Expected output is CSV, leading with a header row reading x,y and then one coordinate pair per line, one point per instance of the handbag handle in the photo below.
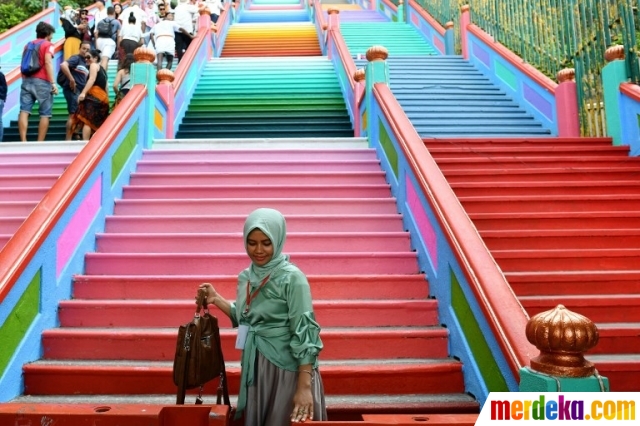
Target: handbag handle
x,y
201,300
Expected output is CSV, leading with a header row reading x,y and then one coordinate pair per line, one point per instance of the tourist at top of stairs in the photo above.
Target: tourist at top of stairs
x,y
277,330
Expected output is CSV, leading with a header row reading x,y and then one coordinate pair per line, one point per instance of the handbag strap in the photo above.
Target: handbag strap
x,y
182,378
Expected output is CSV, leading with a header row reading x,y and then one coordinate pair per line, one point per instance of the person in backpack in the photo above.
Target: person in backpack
x,y
106,34
93,100
277,330
73,77
39,86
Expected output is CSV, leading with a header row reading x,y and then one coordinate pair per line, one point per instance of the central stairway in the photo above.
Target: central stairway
x,y
179,223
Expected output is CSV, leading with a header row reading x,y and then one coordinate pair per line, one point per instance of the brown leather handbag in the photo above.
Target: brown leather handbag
x,y
198,357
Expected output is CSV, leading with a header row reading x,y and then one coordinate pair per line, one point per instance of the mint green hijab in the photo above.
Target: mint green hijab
x,y
272,223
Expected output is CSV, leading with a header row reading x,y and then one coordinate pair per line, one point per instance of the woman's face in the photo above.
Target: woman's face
x,y
117,8
259,247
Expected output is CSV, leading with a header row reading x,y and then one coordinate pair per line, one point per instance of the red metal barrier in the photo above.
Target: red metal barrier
x,y
112,415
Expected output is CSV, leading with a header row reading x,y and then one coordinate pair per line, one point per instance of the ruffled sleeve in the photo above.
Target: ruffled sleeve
x,y
305,331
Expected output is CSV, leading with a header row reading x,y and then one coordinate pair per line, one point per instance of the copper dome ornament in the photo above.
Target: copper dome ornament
x,y
144,55
377,53
566,74
359,75
614,53
165,76
562,336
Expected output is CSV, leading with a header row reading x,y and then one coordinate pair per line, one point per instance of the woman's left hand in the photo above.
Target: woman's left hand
x,y
81,97
302,405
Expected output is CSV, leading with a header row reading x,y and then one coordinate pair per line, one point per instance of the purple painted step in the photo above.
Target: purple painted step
x,y
232,242
249,178
287,206
323,287
230,263
231,223
249,191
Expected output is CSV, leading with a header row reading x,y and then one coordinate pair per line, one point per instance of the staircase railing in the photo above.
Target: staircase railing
x,y
556,34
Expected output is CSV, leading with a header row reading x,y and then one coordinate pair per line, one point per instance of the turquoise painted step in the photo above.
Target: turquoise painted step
x,y
267,97
446,96
398,38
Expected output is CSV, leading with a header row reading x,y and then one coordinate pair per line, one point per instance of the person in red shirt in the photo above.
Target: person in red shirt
x,y
40,86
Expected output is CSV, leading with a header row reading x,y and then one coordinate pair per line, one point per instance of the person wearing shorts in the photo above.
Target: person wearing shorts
x,y
163,34
107,45
39,87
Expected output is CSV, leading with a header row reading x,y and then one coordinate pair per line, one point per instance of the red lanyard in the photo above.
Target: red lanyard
x,y
251,296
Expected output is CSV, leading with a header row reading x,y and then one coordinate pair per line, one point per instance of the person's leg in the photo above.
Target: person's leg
x,y
45,100
72,106
27,99
169,61
42,128
86,132
23,123
160,58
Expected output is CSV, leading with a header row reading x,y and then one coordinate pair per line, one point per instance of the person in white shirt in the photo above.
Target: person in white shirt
x,y
130,38
99,13
135,10
106,44
163,36
185,14
215,8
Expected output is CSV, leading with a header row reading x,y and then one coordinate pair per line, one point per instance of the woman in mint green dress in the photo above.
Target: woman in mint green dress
x,y
277,330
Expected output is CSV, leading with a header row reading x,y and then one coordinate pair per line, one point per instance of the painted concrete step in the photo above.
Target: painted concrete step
x,y
27,181
323,287
617,338
339,407
550,283
9,158
551,203
288,206
261,143
9,225
39,147
518,142
16,208
233,223
599,308
255,178
563,260
303,165
159,344
556,220
257,154
33,167
241,190
230,263
446,162
22,194
551,174
232,242
330,313
568,187
530,151
623,371
571,239
383,377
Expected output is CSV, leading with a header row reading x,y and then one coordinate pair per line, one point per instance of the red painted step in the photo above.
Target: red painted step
x,y
564,227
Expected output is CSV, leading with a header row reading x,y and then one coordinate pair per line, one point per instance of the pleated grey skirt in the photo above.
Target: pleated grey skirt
x,y
270,398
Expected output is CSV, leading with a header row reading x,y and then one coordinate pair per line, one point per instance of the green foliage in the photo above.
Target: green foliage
x,y
11,16
14,12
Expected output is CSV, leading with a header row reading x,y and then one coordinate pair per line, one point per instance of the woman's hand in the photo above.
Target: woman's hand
x,y
209,291
81,97
302,403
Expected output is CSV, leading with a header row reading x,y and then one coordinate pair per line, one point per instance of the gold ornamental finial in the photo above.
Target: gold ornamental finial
x,y
165,76
614,53
562,336
377,53
359,75
144,55
566,74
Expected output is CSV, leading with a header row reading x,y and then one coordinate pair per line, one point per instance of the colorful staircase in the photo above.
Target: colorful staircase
x,y
179,224
267,98
561,217
271,39
27,172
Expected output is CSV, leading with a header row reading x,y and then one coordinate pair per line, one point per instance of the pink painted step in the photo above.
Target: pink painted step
x,y
10,158
33,168
9,225
579,282
22,194
573,188
551,203
159,344
531,151
567,239
381,377
16,208
446,162
556,220
323,287
273,155
563,260
551,174
225,166
4,238
168,313
287,206
258,178
232,242
28,181
233,223
614,309
520,143
250,191
230,263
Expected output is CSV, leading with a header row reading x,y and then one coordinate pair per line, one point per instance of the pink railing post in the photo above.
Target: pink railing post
x,y
166,91
358,91
465,20
567,104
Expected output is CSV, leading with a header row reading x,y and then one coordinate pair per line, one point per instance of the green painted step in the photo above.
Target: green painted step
x,y
397,37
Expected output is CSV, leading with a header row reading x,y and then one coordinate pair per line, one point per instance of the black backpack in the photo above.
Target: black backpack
x,y
30,63
104,28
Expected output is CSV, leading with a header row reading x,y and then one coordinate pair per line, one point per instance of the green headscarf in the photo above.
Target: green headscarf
x,y
272,223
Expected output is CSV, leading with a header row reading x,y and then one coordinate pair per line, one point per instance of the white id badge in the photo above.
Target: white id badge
x,y
243,329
